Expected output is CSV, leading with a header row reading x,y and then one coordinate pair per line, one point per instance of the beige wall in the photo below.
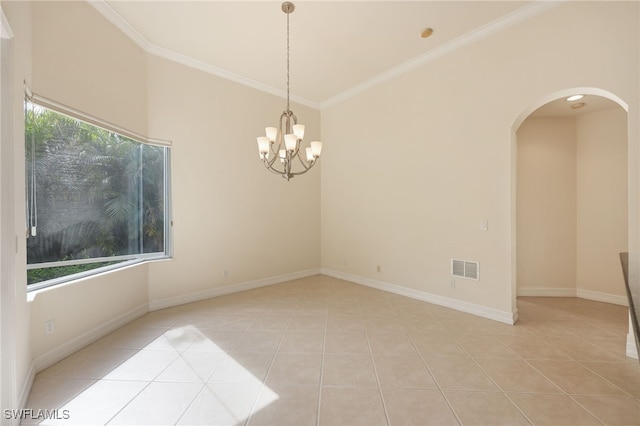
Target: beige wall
x,y
81,307
602,201
572,205
417,162
229,212
81,60
546,206
19,17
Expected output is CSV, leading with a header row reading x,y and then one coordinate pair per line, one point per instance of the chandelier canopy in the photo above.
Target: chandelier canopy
x,y
281,146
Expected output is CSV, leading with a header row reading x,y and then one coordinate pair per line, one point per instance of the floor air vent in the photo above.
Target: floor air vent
x,y
464,269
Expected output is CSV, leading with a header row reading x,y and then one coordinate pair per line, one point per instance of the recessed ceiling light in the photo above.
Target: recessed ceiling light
x,y
574,98
578,105
427,32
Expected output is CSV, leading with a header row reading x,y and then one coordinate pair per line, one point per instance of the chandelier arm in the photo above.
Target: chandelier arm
x,y
294,153
287,116
302,171
287,164
275,148
273,169
307,165
269,163
288,129
275,153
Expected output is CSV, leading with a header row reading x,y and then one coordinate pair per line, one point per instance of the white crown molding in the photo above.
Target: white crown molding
x,y
499,24
116,19
227,75
5,28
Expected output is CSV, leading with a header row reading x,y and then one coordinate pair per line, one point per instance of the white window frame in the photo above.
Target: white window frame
x,y
125,260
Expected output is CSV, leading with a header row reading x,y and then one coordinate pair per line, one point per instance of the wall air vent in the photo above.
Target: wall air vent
x,y
465,269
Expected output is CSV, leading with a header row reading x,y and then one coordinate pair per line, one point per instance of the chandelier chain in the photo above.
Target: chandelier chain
x,y
287,62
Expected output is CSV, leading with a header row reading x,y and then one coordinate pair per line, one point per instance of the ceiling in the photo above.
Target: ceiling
x,y
336,46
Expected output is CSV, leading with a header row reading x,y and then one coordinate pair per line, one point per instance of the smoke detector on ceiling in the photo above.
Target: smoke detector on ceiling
x,y
427,32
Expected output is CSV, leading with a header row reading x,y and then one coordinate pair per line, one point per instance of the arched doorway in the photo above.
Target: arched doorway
x,y
570,197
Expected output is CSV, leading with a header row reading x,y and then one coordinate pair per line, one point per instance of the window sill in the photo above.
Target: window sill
x,y
35,288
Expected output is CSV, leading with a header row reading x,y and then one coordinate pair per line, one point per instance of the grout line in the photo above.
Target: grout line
x,y
324,350
581,363
375,373
435,380
571,359
180,353
128,402
273,360
518,407
500,389
204,386
587,410
505,393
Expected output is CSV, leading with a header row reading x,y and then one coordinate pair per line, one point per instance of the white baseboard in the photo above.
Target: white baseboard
x,y
573,292
632,350
547,292
49,358
603,297
26,386
471,308
234,288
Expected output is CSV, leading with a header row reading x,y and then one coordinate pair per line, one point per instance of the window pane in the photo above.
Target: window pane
x,y
153,181
91,193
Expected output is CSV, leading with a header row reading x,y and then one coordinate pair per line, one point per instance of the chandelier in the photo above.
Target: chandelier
x,y
281,147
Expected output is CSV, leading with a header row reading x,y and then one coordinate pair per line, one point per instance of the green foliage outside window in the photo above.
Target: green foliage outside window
x,y
91,193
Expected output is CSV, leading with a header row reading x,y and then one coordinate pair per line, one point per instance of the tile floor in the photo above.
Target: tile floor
x,y
321,351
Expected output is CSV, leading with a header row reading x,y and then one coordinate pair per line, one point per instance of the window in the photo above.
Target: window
x,y
96,199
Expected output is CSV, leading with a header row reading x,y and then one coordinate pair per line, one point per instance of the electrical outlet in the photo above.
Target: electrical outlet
x,y
226,273
452,283
49,326
379,268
